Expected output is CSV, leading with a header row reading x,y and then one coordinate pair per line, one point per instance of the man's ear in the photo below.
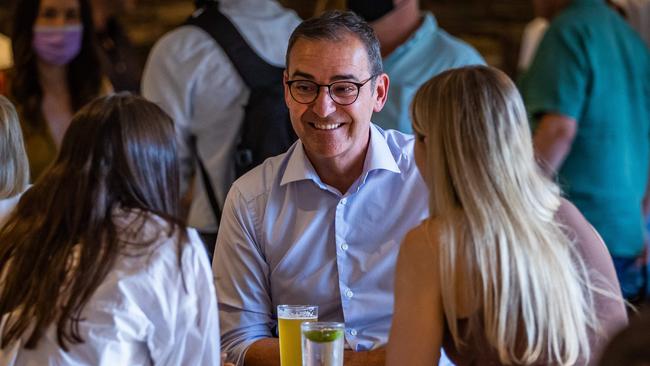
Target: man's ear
x,y
381,91
285,78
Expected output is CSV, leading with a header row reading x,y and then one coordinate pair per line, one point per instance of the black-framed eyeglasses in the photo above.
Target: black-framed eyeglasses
x,y
341,92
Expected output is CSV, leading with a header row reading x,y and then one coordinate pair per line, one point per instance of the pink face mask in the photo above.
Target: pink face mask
x,y
57,45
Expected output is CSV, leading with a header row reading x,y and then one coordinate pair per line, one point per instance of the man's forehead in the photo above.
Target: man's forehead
x,y
333,60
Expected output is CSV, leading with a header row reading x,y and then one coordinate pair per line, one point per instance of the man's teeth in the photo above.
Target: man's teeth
x,y
327,126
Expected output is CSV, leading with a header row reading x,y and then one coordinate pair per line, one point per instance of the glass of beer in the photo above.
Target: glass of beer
x,y
322,343
289,319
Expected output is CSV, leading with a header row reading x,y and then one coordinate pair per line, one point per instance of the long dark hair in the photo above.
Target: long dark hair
x,y
83,72
119,154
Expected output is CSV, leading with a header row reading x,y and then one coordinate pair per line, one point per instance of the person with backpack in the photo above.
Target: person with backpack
x,y
211,74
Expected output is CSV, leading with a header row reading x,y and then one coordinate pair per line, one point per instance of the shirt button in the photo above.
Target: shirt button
x,y
353,332
349,293
344,201
344,246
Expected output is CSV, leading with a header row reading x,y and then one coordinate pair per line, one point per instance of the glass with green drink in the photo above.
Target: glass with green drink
x,y
322,343
289,319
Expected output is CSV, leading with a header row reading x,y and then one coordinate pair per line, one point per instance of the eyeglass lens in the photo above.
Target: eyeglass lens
x,y
342,92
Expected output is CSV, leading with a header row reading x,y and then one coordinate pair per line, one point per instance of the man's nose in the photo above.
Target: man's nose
x,y
323,106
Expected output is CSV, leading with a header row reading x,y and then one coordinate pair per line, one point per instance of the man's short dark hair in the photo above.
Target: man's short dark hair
x,y
333,26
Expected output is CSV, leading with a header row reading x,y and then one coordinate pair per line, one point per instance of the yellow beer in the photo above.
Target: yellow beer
x,y
289,319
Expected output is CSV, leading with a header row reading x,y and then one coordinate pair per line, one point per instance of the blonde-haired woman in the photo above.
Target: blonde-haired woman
x,y
504,271
14,166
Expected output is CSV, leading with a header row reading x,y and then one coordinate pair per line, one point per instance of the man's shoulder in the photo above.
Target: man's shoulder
x,y
184,42
449,47
260,180
457,50
581,20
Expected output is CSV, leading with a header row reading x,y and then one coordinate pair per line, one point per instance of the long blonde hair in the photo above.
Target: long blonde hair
x,y
14,167
498,227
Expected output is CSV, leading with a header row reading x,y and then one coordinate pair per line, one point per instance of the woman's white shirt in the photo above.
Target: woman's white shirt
x,y
146,311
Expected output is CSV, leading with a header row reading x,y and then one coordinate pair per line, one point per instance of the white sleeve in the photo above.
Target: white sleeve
x,y
191,336
242,280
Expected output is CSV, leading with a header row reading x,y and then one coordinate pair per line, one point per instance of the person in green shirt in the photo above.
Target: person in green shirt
x,y
587,92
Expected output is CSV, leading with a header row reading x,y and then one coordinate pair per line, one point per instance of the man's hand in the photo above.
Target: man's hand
x,y
265,352
223,360
552,141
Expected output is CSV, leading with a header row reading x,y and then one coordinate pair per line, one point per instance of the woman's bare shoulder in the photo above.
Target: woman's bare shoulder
x,y
579,229
420,244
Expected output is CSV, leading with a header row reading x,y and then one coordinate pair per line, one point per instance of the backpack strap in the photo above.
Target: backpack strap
x,y
207,182
254,71
252,68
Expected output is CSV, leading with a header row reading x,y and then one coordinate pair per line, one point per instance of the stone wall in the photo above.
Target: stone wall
x,y
494,27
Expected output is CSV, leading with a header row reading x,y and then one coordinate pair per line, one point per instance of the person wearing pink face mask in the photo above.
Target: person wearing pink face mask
x,y
56,71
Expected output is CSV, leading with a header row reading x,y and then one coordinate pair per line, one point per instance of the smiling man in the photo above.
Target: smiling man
x,y
321,224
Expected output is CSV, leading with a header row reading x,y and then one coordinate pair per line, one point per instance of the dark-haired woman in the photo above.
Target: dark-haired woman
x,y
56,71
95,269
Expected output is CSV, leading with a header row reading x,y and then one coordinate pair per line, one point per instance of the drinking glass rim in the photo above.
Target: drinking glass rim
x,y
322,325
297,312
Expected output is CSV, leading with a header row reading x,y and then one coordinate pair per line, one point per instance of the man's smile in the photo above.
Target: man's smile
x,y
326,126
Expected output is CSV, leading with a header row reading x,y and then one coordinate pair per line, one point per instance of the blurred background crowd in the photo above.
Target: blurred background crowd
x,y
493,27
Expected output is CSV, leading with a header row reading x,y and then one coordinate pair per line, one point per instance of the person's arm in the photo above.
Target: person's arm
x,y
168,83
418,320
646,199
266,352
553,139
242,278
609,303
555,90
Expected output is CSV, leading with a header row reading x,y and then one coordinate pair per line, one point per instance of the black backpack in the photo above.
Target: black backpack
x,y
266,130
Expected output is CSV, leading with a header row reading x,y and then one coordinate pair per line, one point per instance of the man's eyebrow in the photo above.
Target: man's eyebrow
x,y
308,76
344,77
302,74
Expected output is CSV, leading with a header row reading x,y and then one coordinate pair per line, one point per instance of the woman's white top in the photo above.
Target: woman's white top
x,y
146,312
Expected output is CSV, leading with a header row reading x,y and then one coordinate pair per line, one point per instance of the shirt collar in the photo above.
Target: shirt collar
x,y
378,157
